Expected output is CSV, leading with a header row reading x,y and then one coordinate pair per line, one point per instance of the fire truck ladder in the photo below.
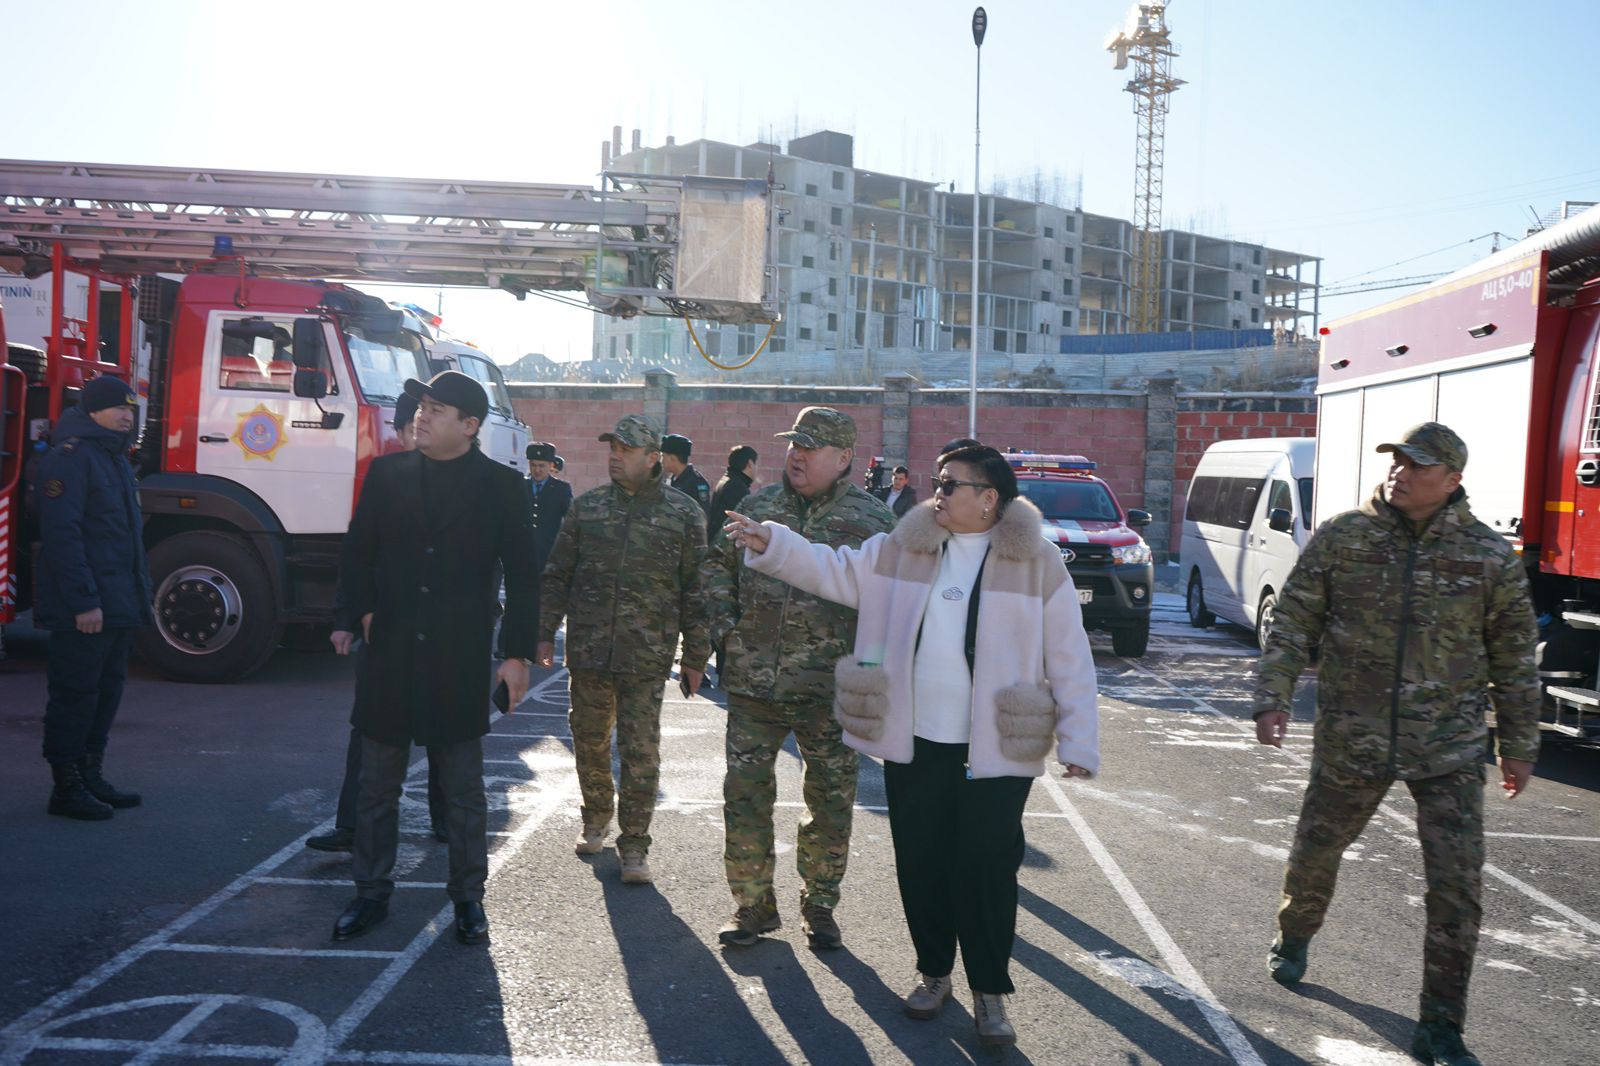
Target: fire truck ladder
x,y
640,244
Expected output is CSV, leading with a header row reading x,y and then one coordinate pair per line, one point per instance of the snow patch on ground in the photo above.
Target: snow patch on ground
x,y
1559,940
1350,1053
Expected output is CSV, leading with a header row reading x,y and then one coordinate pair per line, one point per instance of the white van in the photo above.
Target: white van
x,y
505,437
1247,519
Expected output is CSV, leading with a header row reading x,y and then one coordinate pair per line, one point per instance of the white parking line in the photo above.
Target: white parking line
x,y
1389,810
1215,1014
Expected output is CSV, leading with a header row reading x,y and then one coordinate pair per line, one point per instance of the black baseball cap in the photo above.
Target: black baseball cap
x,y
677,444
454,388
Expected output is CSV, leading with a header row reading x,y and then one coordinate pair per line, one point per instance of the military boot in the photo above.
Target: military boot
x,y
822,929
591,841
748,923
71,798
636,869
1438,1043
1287,959
104,790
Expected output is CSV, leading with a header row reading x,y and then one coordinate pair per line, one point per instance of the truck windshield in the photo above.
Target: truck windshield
x,y
1076,501
382,369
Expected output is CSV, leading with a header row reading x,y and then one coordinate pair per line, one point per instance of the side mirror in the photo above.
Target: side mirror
x,y
310,352
309,384
1139,519
1280,520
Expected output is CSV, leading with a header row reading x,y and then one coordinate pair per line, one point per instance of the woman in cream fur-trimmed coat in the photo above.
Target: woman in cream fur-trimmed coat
x,y
955,808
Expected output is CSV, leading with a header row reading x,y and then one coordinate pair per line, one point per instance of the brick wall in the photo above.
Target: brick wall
x,y
1203,419
1146,442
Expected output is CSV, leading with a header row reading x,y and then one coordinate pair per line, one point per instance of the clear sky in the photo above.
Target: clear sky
x,y
1366,132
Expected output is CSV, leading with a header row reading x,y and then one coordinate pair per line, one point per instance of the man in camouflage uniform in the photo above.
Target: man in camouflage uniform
x,y
779,650
625,573
1419,608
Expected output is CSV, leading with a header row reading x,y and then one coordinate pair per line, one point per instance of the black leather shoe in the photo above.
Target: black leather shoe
x,y
361,915
472,925
338,840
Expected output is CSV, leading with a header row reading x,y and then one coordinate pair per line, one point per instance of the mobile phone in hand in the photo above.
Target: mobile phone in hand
x,y
502,698
683,686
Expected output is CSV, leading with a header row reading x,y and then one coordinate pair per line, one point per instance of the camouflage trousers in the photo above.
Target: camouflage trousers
x,y
756,734
1450,825
602,701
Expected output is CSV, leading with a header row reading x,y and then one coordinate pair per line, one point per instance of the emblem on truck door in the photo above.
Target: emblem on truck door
x,y
260,433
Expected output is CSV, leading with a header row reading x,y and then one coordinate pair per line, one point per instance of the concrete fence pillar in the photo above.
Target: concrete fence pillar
x,y
659,383
899,393
1160,460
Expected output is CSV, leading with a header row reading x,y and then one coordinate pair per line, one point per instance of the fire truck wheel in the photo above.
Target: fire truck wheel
x,y
1266,616
1130,642
1199,617
215,616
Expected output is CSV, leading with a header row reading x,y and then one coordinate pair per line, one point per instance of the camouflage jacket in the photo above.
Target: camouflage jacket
x,y
1420,633
780,644
625,572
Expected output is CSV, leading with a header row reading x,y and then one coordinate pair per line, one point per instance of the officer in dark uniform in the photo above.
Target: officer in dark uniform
x,y
551,498
681,474
93,590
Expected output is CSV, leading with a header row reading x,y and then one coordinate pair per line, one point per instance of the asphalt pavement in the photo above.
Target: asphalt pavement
x,y
196,927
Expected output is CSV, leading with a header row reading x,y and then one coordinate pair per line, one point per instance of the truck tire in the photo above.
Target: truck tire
x,y
1130,642
1266,618
215,617
1199,617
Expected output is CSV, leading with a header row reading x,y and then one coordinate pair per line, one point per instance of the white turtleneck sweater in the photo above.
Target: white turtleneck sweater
x,y
941,682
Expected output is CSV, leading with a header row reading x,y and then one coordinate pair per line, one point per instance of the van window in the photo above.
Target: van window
x,y
488,375
1281,496
1305,501
1224,501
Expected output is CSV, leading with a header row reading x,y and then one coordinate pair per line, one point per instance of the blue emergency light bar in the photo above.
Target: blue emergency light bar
x,y
1032,461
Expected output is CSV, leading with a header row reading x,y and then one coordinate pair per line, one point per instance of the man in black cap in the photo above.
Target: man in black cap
x,y
93,590
343,837
681,474
416,571
551,498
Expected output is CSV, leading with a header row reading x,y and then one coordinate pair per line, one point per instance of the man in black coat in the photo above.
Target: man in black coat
x,y
551,497
899,494
681,474
92,590
416,572
733,487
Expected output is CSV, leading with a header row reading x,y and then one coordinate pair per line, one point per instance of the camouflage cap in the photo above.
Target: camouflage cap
x,y
636,431
822,427
1431,443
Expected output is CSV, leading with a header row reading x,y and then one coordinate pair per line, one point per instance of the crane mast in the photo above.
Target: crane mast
x,y
1146,42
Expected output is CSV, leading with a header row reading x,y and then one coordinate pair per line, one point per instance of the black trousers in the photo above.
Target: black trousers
x,y
957,848
383,774
85,677
350,789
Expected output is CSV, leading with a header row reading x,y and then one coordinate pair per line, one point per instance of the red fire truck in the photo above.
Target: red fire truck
x,y
1504,352
268,391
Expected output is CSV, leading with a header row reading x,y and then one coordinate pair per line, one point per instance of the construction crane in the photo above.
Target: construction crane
x,y
1147,42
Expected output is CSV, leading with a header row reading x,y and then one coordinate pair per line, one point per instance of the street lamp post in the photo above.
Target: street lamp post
x,y
980,25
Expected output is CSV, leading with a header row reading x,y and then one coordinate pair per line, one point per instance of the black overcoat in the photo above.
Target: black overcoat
x,y
425,677
549,508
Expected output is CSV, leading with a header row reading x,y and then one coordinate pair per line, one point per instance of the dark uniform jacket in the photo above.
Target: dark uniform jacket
x,y
902,503
625,573
692,485
89,520
731,491
550,505
1421,631
780,644
425,578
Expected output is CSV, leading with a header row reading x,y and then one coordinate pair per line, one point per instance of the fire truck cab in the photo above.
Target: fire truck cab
x,y
1109,561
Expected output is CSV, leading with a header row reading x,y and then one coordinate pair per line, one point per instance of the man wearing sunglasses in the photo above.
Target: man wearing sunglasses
x,y
780,646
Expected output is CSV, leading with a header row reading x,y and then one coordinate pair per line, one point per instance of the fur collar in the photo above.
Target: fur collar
x,y
1016,536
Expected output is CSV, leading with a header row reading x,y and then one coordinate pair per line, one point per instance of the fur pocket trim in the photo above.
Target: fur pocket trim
x,y
860,698
1025,717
